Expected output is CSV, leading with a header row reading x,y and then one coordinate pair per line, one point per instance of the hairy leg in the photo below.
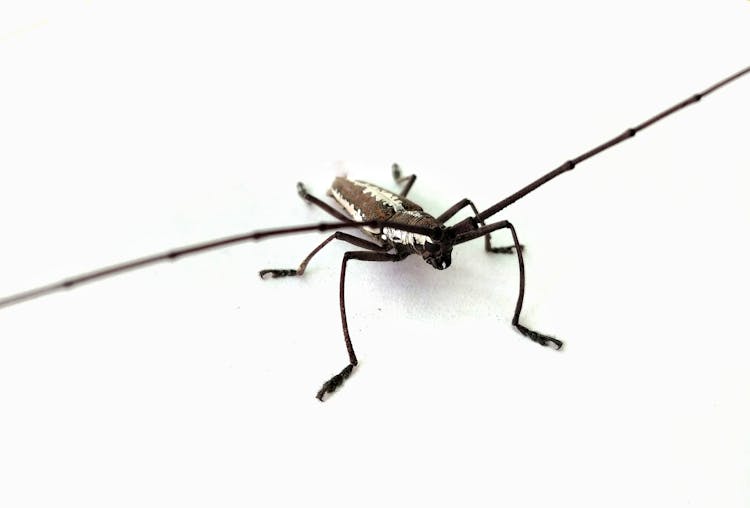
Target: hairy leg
x,y
332,384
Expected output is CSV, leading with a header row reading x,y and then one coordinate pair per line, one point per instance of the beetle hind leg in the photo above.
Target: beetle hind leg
x,y
398,178
309,198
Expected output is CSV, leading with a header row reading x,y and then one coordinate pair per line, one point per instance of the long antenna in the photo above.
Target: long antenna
x,y
174,254
570,164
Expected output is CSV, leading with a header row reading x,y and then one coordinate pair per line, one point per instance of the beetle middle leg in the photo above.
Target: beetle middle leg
x,y
332,384
453,210
338,235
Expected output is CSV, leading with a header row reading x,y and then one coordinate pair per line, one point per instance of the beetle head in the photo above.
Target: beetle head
x,y
438,254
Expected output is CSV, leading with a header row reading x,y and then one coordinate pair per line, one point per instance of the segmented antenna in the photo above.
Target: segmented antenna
x,y
629,133
180,252
326,226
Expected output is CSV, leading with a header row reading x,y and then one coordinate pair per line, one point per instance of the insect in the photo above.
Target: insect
x,y
397,228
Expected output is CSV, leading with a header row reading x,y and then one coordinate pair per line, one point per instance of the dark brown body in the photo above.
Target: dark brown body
x,y
365,202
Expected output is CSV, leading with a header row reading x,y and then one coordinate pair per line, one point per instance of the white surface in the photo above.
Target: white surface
x,y
127,129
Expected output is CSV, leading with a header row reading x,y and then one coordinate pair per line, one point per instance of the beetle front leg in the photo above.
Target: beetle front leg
x,y
332,384
539,338
453,210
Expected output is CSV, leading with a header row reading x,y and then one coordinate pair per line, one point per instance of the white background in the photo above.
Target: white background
x,y
129,128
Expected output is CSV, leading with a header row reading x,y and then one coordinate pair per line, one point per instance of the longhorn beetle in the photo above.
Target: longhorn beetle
x,y
397,228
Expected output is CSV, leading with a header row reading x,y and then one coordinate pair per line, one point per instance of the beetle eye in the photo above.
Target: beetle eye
x,y
431,247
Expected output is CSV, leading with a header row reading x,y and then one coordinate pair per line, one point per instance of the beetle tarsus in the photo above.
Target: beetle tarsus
x,y
544,340
332,384
302,190
396,169
398,177
510,249
274,274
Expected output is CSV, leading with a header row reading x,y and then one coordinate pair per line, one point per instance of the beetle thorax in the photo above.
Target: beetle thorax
x,y
364,202
436,253
416,241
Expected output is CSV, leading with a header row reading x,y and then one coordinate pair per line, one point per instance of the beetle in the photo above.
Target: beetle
x,y
398,228
401,225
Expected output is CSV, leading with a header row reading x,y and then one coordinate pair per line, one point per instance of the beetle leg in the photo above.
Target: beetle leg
x,y
332,384
396,169
544,340
302,191
338,235
453,210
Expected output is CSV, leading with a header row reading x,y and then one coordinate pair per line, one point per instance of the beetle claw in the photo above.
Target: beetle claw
x,y
274,274
505,250
332,384
539,338
396,170
301,190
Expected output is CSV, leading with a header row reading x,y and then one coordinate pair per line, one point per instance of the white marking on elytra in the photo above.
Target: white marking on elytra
x,y
348,206
382,195
355,213
392,200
